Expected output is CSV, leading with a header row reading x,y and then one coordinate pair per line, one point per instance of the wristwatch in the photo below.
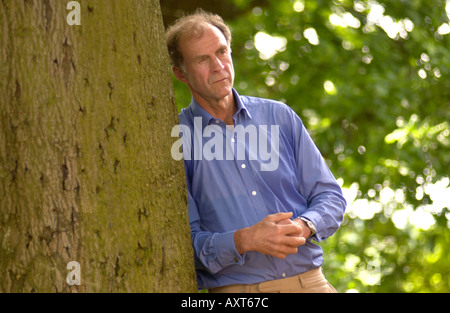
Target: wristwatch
x,y
310,225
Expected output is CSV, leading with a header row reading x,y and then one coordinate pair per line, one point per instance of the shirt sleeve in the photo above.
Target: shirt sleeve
x,y
212,251
325,201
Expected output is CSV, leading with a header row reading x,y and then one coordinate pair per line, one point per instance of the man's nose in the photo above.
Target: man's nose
x,y
217,65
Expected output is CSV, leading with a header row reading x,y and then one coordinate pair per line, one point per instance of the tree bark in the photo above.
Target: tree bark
x,y
86,173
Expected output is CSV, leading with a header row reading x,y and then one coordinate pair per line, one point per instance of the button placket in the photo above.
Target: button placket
x,y
246,174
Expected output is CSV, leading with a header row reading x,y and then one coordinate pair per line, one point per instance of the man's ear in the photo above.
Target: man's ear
x,y
179,74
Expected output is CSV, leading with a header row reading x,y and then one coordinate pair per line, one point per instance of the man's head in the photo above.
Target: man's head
x,y
192,26
200,49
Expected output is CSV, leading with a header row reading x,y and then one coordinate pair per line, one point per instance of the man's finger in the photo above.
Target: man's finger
x,y
295,241
291,229
277,217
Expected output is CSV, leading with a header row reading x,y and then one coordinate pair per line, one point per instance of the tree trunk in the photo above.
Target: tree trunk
x,y
86,173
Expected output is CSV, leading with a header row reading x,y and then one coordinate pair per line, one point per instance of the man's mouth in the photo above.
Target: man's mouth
x,y
221,80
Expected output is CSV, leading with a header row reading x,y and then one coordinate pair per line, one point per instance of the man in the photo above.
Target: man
x,y
253,214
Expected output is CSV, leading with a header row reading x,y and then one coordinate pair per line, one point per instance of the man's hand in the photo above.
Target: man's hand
x,y
306,231
275,235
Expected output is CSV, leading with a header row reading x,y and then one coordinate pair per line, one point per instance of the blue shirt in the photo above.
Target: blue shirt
x,y
235,177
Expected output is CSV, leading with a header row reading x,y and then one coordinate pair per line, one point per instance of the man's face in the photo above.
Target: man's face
x,y
207,65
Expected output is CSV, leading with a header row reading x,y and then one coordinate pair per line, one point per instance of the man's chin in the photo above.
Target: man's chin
x,y
223,91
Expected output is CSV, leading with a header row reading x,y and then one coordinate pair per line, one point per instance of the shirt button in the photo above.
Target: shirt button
x,y
217,121
243,166
232,140
254,193
284,275
236,260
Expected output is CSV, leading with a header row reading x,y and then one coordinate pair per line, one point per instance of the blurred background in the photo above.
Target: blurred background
x,y
370,80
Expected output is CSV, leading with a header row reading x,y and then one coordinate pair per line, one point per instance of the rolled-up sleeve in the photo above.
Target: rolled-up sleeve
x,y
325,201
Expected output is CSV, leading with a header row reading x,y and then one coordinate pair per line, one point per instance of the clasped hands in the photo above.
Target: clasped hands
x,y
276,235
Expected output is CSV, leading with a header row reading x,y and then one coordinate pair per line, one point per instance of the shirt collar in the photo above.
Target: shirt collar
x,y
198,111
241,107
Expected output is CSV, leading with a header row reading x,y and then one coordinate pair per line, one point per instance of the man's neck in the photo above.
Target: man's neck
x,y
223,108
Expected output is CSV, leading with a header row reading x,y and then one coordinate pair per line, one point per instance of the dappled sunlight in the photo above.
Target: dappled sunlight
x,y
370,266
444,29
393,28
329,87
268,45
344,20
312,36
394,206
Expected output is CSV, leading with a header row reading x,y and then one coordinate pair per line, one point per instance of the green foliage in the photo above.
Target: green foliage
x,y
373,89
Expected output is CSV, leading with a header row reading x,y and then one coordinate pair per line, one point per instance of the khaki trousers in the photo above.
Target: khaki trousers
x,y
309,282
